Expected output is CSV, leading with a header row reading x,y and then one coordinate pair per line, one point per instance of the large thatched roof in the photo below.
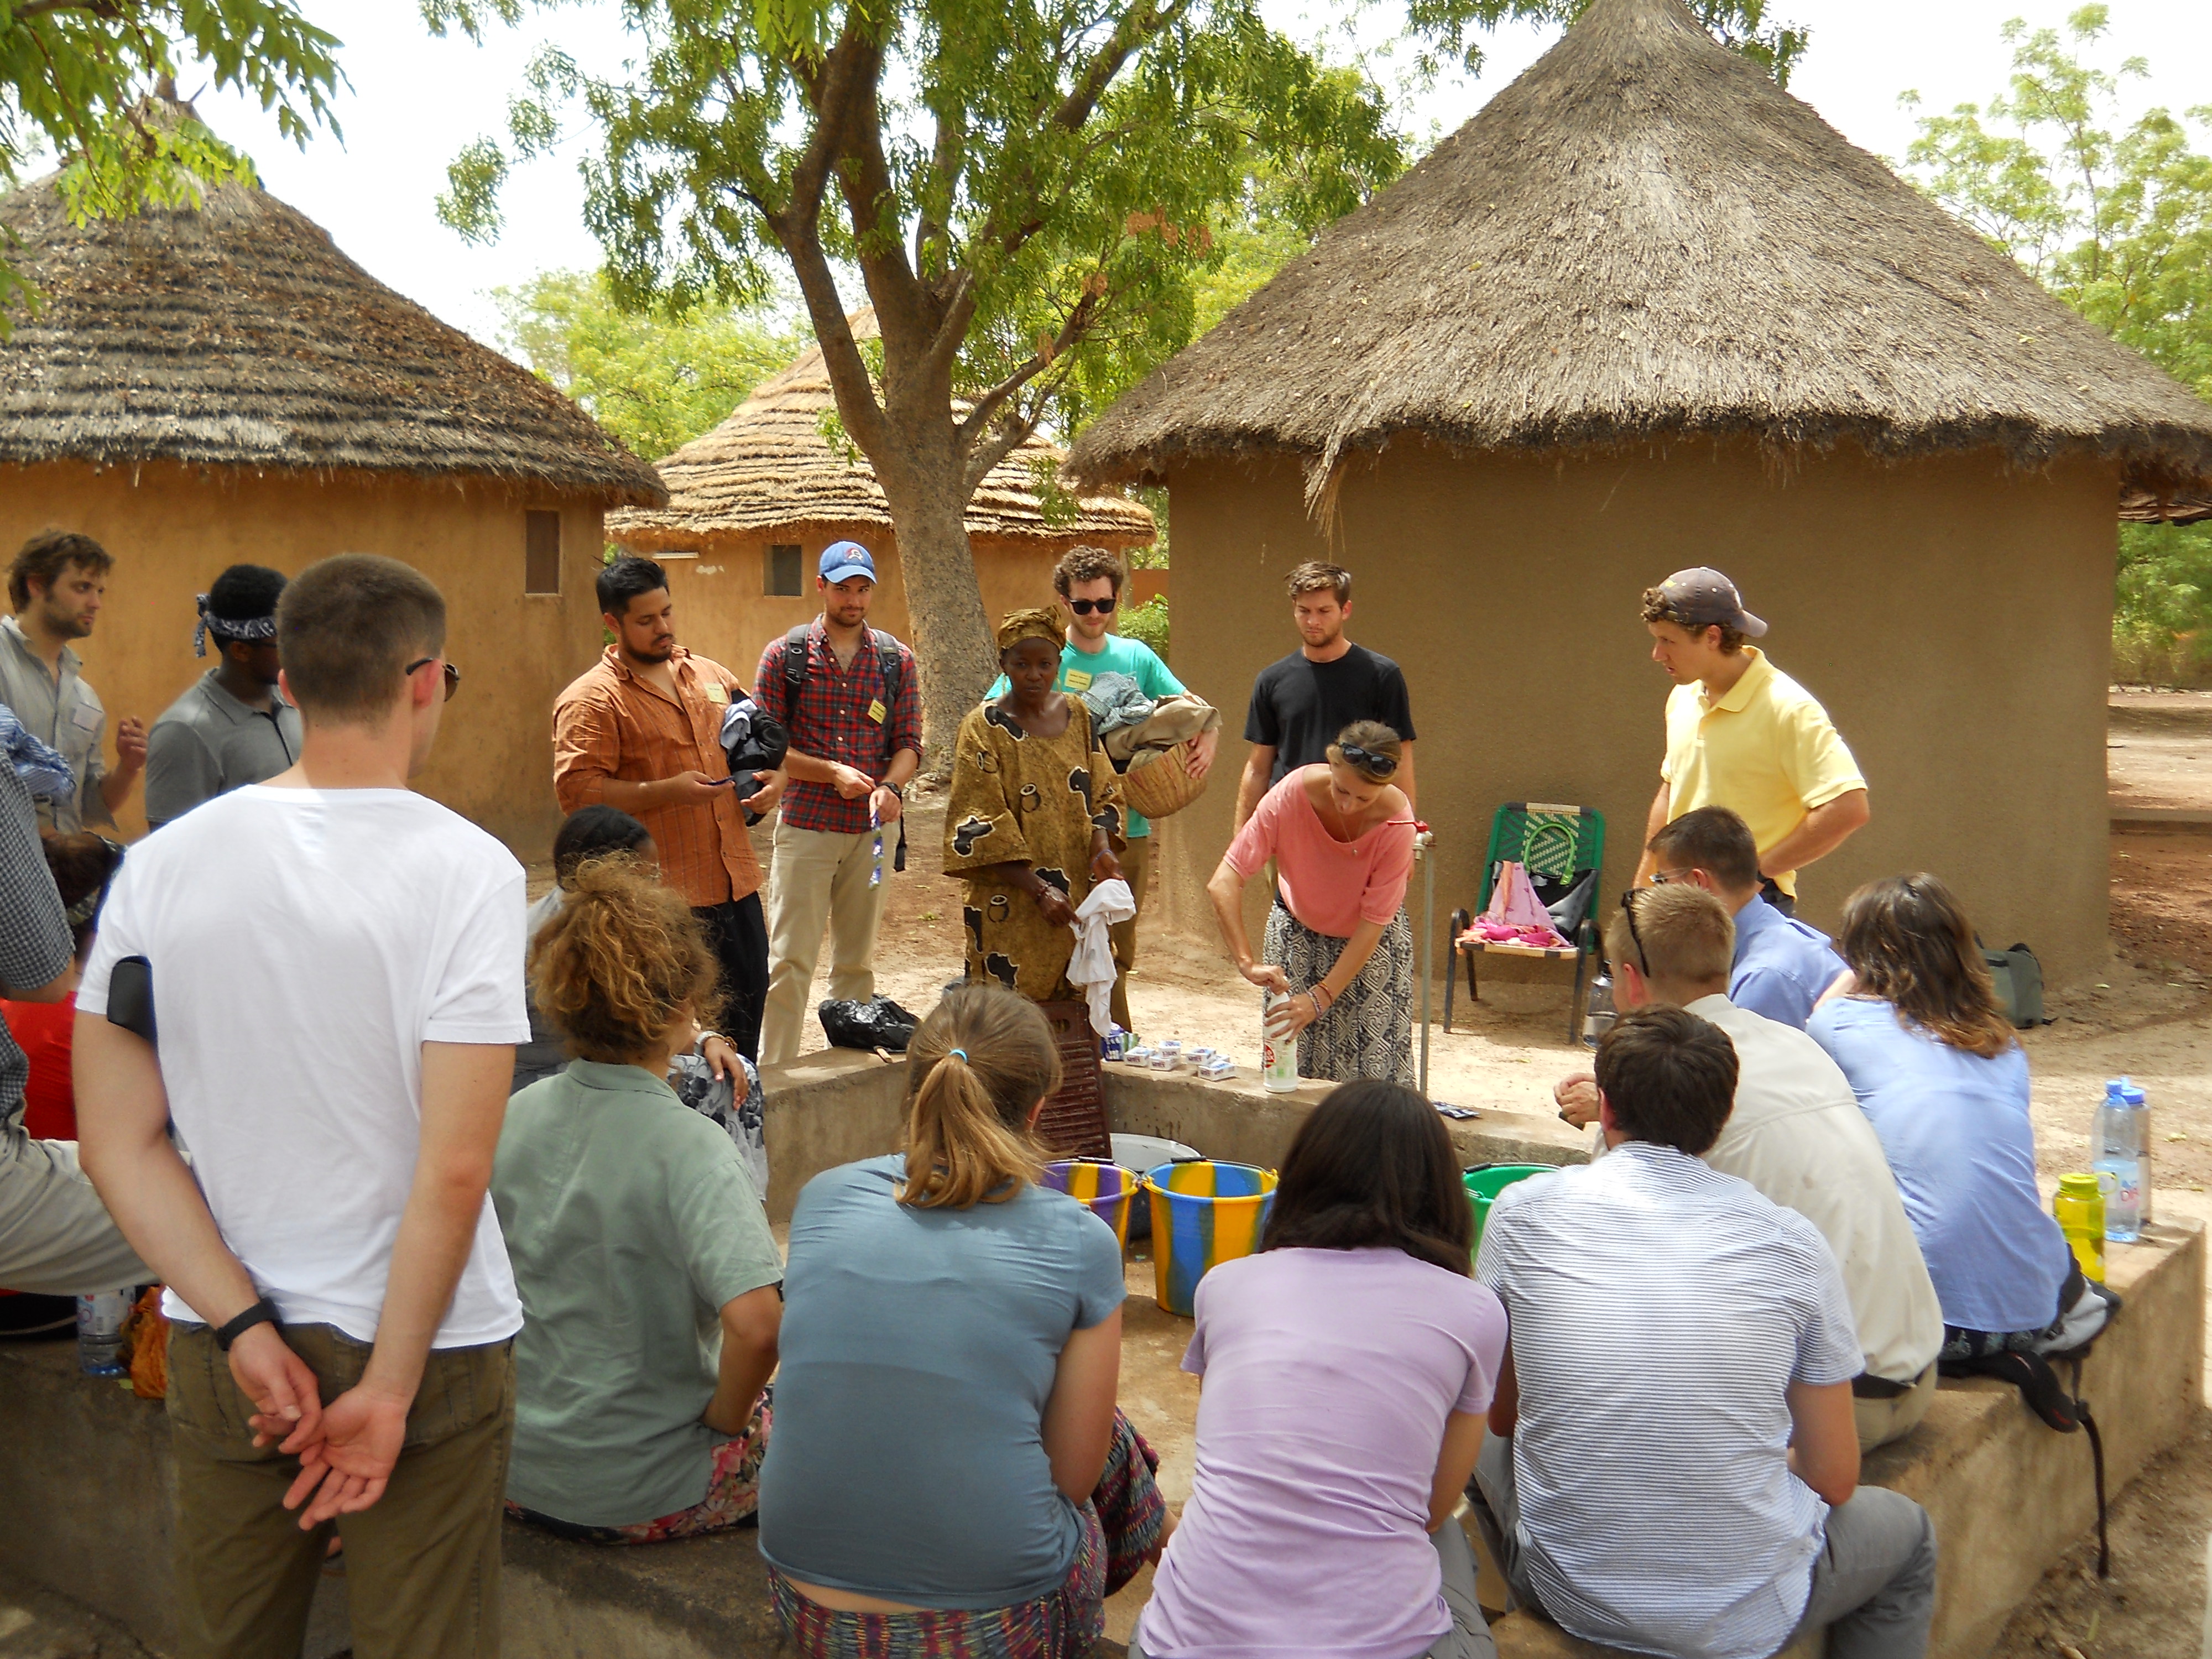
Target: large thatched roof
x,y
1641,238
235,334
771,467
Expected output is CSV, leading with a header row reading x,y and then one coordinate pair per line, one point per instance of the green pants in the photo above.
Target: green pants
x,y
422,1563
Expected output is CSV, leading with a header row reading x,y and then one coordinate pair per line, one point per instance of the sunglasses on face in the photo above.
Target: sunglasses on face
x,y
1084,607
452,674
1628,909
1367,761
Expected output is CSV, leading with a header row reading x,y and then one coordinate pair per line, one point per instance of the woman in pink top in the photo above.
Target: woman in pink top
x,y
1348,1366
1338,941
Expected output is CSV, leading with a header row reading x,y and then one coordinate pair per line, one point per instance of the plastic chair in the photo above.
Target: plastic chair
x,y
1562,848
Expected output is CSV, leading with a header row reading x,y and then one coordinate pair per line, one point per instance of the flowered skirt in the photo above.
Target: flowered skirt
x,y
732,1493
1119,1522
1368,1031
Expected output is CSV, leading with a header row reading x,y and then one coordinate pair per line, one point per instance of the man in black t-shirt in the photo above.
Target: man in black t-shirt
x,y
1301,703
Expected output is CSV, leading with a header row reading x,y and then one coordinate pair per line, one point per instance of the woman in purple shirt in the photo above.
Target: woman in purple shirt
x,y
1347,1369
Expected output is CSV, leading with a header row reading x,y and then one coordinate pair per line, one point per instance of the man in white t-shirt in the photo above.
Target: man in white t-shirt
x,y
1798,1135
337,966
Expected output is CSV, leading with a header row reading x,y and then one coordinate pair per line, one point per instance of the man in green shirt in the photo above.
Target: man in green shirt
x,y
1088,582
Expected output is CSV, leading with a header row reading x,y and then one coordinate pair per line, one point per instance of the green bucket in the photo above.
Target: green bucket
x,y
1484,1184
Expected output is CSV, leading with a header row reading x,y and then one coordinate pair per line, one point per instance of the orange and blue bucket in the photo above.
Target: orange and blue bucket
x,y
1108,1189
1204,1213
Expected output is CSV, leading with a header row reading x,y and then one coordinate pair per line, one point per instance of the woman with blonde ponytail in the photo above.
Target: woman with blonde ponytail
x,y
950,1473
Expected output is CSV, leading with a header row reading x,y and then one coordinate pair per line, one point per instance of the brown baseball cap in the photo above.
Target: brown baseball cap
x,y
1703,596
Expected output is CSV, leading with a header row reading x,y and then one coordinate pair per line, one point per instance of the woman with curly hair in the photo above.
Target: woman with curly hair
x,y
1938,1070
650,1284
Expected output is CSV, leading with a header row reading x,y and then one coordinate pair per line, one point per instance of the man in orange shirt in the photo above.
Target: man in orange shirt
x,y
641,731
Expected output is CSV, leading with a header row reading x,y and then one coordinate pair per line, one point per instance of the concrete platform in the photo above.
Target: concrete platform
x,y
86,1469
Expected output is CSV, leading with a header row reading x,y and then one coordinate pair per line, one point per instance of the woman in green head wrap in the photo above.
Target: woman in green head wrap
x,y
1034,817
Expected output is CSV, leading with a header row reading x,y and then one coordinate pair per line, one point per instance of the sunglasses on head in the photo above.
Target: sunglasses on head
x,y
1084,607
1628,909
1367,761
452,674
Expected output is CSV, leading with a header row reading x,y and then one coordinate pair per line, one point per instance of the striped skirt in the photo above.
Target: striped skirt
x,y
1368,1031
1119,1524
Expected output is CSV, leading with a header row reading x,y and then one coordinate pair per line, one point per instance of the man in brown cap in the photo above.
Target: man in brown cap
x,y
1743,735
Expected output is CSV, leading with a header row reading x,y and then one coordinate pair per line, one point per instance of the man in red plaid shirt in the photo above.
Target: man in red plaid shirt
x,y
855,741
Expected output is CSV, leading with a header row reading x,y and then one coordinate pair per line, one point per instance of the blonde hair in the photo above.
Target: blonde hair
x,y
975,1070
1908,941
1686,934
620,961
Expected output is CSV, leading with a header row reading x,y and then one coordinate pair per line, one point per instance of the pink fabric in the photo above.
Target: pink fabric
x,y
1330,885
1515,915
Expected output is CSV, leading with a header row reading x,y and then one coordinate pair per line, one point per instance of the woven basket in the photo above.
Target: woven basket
x,y
1160,787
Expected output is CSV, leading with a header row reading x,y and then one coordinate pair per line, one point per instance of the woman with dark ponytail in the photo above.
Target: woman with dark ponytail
x,y
948,1473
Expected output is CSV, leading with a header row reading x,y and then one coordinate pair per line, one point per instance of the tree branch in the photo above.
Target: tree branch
x,y
987,407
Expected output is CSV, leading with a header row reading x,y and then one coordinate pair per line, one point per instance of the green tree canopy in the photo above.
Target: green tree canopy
x,y
656,382
1031,193
2117,220
75,77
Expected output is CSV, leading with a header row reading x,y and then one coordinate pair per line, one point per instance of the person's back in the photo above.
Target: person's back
x,y
1346,1367
1782,964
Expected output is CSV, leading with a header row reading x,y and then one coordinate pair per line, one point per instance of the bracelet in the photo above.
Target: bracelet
x,y
263,1312
1314,997
700,1047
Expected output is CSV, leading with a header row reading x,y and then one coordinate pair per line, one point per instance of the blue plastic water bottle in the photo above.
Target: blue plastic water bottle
x,y
2121,1147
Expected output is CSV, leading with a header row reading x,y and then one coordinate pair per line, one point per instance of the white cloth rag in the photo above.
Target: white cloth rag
x,y
1092,968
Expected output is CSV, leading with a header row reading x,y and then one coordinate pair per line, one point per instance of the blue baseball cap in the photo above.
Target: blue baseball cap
x,y
842,559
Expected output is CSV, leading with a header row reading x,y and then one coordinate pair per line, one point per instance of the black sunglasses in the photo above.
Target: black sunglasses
x,y
452,674
1084,607
1628,909
1367,761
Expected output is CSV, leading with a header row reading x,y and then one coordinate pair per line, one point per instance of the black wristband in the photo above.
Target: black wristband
x,y
263,1312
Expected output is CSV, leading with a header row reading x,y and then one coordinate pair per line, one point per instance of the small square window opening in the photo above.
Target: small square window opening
x,y
781,571
541,553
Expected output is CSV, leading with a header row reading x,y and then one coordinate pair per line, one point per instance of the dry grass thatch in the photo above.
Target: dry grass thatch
x,y
771,467
1644,238
235,334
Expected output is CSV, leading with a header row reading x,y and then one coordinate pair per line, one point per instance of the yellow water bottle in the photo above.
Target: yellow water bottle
x,y
2080,1208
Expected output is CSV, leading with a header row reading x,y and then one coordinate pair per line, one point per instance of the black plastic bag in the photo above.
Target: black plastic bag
x,y
878,1022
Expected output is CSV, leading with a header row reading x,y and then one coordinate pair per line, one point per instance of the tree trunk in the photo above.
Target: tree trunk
x,y
952,638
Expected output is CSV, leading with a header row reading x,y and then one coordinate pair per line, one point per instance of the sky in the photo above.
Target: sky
x,y
415,100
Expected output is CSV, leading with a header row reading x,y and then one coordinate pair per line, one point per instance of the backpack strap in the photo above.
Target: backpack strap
x,y
888,662
794,663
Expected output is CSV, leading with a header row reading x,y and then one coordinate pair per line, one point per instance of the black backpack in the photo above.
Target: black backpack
x,y
887,662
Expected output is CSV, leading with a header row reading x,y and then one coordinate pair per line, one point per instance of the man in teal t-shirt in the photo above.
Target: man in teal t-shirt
x,y
1088,582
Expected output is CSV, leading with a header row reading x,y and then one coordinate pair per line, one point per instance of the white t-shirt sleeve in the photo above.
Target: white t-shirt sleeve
x,y
479,997
117,937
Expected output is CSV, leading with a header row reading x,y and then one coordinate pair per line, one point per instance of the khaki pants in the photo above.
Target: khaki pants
x,y
1136,870
422,1563
1881,1421
56,1237
818,877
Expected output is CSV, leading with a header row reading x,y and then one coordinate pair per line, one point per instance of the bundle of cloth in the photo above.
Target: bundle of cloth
x,y
1514,915
1134,729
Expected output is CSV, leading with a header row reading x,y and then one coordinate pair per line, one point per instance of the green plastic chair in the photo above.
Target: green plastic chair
x,y
1561,847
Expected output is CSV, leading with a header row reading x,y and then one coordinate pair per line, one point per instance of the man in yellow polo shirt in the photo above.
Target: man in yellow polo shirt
x,y
1742,734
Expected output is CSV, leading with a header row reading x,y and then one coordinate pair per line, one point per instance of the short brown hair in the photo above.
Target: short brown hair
x,y
1669,1078
1686,934
618,962
1907,940
1657,607
1712,839
976,1067
1088,564
348,626
46,554
1316,573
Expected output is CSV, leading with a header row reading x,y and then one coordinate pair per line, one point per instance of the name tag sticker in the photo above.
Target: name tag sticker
x,y
1076,680
877,711
84,719
716,693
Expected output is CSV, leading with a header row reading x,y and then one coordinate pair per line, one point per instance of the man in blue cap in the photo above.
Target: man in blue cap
x,y
850,699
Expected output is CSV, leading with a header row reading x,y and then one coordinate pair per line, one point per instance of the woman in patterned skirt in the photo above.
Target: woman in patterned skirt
x,y
1033,821
1337,942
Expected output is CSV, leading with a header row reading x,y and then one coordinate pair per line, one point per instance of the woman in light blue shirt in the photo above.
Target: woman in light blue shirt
x,y
1917,1029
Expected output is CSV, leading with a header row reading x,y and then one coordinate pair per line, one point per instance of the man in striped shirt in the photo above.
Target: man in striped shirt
x,y
1674,1467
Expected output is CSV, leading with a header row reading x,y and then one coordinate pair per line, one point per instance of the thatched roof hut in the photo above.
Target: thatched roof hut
x,y
752,503
1648,310
1642,239
199,385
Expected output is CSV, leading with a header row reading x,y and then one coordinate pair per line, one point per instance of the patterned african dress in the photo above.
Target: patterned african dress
x,y
1017,799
